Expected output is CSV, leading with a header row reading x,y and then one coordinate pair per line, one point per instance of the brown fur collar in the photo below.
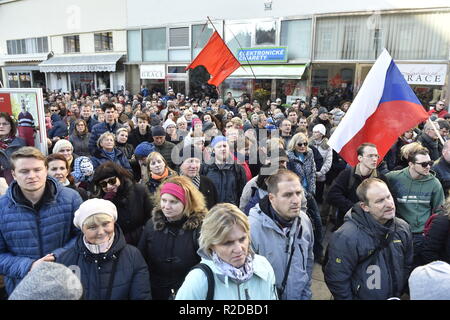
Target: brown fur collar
x,y
193,221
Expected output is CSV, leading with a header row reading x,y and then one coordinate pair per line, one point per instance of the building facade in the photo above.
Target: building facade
x,y
288,49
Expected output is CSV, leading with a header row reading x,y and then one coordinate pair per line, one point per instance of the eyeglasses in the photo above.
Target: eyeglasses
x,y
425,164
53,110
112,181
4,124
302,144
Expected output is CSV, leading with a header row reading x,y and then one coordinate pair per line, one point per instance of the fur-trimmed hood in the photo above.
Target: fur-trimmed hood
x,y
192,222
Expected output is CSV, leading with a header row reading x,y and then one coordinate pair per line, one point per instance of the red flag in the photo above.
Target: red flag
x,y
384,109
218,60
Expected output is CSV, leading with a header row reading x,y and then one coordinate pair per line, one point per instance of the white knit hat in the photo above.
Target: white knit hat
x,y
92,207
61,144
430,282
321,128
167,123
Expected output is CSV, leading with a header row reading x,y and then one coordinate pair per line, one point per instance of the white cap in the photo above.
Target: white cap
x,y
92,207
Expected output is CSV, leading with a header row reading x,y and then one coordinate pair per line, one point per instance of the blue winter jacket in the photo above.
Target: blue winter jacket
x,y
98,130
27,235
59,127
131,278
101,157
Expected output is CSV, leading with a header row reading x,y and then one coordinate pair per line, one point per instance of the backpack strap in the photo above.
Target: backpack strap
x,y
209,274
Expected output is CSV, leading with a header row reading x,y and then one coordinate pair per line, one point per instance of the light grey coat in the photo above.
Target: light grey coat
x,y
270,241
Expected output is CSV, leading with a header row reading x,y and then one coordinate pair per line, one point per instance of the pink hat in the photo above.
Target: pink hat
x,y
196,121
174,190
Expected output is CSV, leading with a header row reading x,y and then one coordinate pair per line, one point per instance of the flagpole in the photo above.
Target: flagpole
x,y
437,131
248,63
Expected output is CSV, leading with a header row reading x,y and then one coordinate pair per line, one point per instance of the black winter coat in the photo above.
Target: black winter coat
x,y
134,209
342,193
437,241
229,181
350,276
131,278
170,249
135,138
433,146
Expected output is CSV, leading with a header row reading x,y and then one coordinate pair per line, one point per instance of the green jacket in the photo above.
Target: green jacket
x,y
416,199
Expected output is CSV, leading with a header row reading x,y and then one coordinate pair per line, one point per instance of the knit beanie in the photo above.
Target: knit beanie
x,y
167,123
196,121
430,282
91,207
158,131
207,126
62,143
218,139
143,149
82,169
321,128
48,281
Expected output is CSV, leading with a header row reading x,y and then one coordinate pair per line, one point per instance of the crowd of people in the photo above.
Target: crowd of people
x,y
153,196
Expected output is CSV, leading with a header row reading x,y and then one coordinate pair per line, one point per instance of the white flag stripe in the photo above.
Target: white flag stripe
x,y
364,105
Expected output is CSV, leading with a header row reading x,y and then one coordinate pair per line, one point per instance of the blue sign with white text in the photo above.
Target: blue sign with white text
x,y
267,54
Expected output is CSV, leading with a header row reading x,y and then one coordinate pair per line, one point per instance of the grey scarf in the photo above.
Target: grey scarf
x,y
241,274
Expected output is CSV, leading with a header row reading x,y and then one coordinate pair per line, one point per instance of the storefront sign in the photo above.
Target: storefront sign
x,y
153,71
267,54
425,74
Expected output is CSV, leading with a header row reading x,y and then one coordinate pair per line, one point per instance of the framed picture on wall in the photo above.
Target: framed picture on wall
x,y
26,106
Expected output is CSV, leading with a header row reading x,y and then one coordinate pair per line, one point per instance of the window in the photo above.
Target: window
x,y
154,44
71,44
239,35
27,46
103,41
296,35
176,69
200,36
265,33
179,37
134,45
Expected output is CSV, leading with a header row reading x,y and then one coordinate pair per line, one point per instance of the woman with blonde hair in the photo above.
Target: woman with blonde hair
x,y
169,242
158,170
238,273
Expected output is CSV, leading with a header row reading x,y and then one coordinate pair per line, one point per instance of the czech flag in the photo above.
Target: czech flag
x,y
384,108
217,58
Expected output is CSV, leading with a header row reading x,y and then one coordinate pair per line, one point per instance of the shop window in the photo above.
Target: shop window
x,y
200,36
179,55
134,45
103,41
13,79
154,44
72,44
176,69
296,35
265,33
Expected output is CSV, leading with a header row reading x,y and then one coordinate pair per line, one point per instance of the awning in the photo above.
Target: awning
x,y
90,63
273,71
21,68
24,57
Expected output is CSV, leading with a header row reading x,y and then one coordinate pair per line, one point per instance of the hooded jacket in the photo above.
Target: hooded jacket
x,y
59,127
416,199
348,278
27,235
327,154
270,241
131,278
170,249
261,286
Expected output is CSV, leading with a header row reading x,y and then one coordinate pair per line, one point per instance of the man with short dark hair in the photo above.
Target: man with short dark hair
x,y
162,146
370,257
342,193
283,233
36,217
418,192
110,125
142,132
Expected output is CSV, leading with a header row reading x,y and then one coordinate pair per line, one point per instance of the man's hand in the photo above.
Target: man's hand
x,y
48,258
